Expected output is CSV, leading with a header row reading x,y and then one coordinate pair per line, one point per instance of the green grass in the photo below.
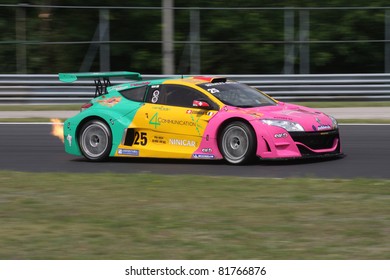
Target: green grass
x,y
146,216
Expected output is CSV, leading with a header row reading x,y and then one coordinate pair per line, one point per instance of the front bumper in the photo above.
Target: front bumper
x,y
300,145
317,143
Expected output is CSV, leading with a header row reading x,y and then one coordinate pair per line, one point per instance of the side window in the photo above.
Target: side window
x,y
183,96
173,95
155,95
135,94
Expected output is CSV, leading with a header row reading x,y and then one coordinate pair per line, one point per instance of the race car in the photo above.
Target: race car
x,y
193,117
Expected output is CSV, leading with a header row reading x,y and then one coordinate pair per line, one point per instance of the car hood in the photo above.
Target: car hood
x,y
309,119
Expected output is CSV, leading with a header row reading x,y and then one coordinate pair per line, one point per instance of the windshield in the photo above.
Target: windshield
x,y
237,94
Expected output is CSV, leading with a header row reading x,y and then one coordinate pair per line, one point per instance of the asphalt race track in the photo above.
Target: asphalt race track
x,y
30,147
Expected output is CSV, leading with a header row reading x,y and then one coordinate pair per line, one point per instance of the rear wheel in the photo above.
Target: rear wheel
x,y
95,140
237,143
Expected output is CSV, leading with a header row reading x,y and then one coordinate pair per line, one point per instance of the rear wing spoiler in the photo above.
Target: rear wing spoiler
x,y
101,79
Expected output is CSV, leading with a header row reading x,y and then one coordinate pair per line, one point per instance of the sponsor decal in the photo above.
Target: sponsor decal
x,y
220,83
140,138
161,108
158,140
176,122
207,150
182,142
280,135
324,127
156,95
282,118
201,156
257,115
110,102
212,90
189,112
249,112
120,87
69,138
140,84
157,121
197,126
321,127
128,152
295,111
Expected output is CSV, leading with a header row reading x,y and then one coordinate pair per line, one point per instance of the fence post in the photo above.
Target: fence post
x,y
387,42
167,34
104,38
21,51
194,39
289,48
304,48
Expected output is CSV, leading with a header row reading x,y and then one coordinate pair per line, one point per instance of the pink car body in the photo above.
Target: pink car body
x,y
196,117
320,137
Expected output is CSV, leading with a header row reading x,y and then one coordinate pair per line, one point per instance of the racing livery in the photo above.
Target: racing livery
x,y
193,117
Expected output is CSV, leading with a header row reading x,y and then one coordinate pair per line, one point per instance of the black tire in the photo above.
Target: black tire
x,y
95,140
237,143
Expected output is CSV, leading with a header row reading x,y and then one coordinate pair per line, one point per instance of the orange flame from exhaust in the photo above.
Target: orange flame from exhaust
x,y
57,129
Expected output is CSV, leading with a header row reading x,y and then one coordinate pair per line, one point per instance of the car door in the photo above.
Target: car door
x,y
168,125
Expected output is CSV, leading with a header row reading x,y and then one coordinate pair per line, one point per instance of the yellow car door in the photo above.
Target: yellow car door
x,y
168,125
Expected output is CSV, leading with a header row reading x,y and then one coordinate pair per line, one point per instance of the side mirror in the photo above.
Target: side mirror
x,y
201,104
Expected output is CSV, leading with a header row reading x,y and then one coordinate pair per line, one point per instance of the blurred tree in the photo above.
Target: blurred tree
x,y
232,41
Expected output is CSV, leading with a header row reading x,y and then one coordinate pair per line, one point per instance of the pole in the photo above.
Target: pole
x,y
104,37
21,51
194,39
387,41
288,42
167,34
304,50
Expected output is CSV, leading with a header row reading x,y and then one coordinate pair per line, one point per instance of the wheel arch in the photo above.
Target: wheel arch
x,y
87,119
226,122
249,126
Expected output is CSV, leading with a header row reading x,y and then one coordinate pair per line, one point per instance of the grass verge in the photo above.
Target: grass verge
x,y
146,216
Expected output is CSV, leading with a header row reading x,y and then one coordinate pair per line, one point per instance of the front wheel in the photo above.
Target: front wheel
x,y
95,140
237,143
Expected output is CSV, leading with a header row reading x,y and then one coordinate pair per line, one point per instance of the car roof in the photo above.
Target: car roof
x,y
189,80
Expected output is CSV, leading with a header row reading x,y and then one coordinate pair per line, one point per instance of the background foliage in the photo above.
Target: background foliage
x,y
247,26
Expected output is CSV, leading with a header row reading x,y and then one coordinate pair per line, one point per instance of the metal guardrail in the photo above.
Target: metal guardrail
x,y
47,89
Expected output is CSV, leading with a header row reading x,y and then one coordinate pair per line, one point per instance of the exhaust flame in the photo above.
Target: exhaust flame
x,y
57,129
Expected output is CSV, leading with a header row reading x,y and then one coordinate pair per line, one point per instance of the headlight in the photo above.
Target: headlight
x,y
287,125
334,122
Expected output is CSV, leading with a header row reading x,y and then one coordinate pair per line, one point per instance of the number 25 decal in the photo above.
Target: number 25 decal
x,y
140,138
